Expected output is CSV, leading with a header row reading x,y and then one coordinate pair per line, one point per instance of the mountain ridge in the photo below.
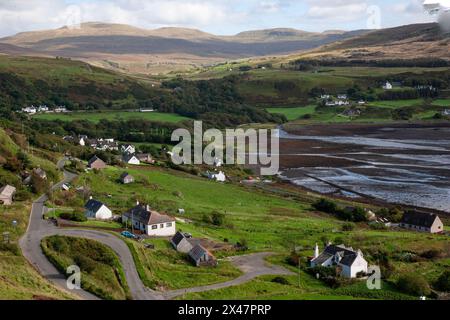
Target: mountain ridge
x,y
135,50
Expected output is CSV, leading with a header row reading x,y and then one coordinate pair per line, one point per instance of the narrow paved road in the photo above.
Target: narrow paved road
x,y
38,229
252,265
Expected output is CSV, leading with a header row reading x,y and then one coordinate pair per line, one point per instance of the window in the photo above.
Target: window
x,y
168,225
161,225
154,227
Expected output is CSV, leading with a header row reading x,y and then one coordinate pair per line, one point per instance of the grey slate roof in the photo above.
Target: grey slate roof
x,y
177,238
125,175
198,252
147,217
347,254
127,157
94,159
93,205
416,218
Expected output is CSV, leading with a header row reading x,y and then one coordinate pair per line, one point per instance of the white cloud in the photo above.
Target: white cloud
x,y
338,10
22,15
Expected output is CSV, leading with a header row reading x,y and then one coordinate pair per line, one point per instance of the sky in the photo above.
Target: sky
x,y
222,17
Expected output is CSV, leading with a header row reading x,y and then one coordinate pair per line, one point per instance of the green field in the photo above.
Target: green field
x,y
294,113
112,116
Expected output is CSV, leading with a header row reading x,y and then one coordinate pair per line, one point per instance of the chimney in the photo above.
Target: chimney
x,y
316,251
90,198
137,202
147,207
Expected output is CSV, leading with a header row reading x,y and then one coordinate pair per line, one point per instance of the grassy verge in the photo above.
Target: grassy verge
x,y
102,273
19,280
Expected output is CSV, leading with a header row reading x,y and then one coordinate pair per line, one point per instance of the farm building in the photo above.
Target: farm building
x,y
181,243
202,257
6,195
349,261
97,210
126,178
150,222
96,163
422,221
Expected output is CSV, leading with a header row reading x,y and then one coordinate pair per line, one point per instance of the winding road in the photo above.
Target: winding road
x,y
252,265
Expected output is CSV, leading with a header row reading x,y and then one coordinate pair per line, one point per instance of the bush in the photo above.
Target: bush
x,y
242,245
280,280
414,285
432,254
10,247
348,227
217,218
294,259
443,282
76,216
85,263
325,205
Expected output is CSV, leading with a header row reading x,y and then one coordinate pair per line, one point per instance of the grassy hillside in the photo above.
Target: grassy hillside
x,y
265,221
29,80
19,280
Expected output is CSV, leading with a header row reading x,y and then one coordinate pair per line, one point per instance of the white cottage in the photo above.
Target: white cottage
x,y
131,159
97,210
422,222
388,86
219,177
350,262
150,222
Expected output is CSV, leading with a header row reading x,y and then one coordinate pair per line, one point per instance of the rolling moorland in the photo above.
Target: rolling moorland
x,y
266,91
130,49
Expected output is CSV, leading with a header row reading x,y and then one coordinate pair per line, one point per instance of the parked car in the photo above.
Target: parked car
x,y
128,234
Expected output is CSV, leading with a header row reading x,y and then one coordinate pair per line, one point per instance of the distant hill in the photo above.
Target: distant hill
x,y
405,42
136,50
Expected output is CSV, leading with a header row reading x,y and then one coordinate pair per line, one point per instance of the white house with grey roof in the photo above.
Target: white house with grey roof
x,y
422,222
131,159
349,261
97,210
150,222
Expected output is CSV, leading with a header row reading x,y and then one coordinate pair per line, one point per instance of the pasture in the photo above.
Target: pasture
x,y
112,116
